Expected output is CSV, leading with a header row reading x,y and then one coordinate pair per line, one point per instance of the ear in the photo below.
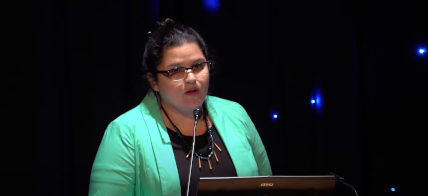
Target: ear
x,y
152,81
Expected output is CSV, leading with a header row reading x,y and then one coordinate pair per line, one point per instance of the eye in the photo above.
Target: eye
x,y
197,66
174,71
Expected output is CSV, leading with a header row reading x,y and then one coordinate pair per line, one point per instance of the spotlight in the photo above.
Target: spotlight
x,y
211,5
275,116
312,101
421,51
392,189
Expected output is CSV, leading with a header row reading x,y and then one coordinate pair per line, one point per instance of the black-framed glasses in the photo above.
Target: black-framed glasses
x,y
178,73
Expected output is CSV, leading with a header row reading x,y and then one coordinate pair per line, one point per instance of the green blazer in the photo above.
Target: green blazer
x,y
135,156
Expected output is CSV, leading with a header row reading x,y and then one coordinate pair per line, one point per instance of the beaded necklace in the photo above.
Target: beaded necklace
x,y
197,153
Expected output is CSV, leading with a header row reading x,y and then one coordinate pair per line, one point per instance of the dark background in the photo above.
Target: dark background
x,y
359,57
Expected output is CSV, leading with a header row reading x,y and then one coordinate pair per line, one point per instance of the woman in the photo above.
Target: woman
x,y
146,150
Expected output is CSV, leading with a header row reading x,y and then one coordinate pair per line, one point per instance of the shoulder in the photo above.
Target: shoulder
x,y
224,103
228,107
126,122
129,117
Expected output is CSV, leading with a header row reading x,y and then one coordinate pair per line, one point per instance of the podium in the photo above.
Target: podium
x,y
267,186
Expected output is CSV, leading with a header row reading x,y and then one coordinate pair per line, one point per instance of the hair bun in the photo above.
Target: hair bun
x,y
164,27
167,22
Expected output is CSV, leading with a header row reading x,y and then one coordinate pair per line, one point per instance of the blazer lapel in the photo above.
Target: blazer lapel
x,y
163,153
234,139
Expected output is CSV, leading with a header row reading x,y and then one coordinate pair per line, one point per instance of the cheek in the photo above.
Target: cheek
x,y
170,89
204,82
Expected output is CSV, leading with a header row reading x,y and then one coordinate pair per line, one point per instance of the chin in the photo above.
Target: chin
x,y
197,101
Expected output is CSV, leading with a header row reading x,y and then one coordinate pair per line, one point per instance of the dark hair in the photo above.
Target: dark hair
x,y
166,34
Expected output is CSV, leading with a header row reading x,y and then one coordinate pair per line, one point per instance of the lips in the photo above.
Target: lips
x,y
192,90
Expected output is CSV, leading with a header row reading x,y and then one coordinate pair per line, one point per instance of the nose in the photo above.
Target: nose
x,y
190,76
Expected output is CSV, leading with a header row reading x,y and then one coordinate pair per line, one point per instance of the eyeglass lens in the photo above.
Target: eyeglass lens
x,y
180,73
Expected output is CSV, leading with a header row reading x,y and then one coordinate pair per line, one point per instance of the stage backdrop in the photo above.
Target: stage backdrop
x,y
357,61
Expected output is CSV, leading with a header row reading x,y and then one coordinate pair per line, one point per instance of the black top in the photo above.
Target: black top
x,y
224,168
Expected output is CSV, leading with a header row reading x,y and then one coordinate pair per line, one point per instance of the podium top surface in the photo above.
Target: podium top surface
x,y
267,185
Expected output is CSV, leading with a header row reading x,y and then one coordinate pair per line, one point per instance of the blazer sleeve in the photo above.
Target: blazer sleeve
x,y
113,171
257,146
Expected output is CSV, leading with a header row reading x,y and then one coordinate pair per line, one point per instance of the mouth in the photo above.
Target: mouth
x,y
192,91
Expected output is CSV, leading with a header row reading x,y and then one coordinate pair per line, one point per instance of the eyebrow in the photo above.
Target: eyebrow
x,y
180,65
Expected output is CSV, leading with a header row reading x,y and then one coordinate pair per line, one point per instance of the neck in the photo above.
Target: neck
x,y
180,114
183,120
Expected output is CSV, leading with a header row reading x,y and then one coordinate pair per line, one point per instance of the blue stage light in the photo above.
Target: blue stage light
x,y
317,100
275,116
211,5
392,189
421,51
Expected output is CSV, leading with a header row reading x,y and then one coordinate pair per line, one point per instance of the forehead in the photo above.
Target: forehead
x,y
184,54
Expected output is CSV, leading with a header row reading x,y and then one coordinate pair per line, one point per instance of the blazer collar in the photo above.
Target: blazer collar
x,y
150,107
161,146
